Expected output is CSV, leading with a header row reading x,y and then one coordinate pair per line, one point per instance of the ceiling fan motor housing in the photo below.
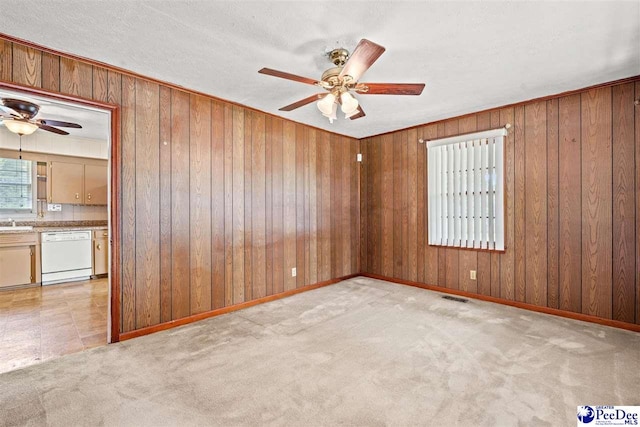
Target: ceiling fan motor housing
x,y
26,109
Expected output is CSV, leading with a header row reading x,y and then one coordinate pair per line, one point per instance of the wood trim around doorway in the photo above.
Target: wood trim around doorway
x,y
115,220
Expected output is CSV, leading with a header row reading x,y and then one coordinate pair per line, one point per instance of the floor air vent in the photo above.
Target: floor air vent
x,y
454,298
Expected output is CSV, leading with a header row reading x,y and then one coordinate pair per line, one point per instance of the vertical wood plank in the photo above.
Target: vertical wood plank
x,y
412,204
421,203
336,203
147,203
624,203
346,237
387,205
278,198
535,134
637,191
313,206
229,214
324,180
258,206
6,60
165,203
398,189
76,78
248,208
507,260
404,206
238,204
200,203
596,202
99,80
307,216
289,202
51,72
495,257
27,66
218,204
268,207
569,204
431,253
520,205
552,204
301,248
128,203
355,206
374,207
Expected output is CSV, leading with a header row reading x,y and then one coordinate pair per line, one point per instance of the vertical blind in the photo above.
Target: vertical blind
x,y
466,190
16,184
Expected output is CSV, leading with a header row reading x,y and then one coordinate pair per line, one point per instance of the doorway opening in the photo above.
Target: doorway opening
x,y
59,282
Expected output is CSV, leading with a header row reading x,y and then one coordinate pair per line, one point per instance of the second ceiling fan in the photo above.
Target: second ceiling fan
x,y
341,80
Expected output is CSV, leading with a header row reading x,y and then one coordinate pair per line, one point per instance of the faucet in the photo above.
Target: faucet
x,y
12,221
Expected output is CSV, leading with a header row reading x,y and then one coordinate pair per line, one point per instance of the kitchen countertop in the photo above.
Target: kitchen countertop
x,y
41,227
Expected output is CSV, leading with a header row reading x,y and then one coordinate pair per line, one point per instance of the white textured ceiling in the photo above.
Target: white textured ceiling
x,y
471,55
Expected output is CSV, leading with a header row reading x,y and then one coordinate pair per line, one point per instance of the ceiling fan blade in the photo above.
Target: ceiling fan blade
x,y
364,55
391,88
303,102
52,129
288,76
359,114
10,111
61,124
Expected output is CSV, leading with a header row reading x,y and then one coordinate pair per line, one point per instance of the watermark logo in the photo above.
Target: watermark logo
x,y
586,414
608,416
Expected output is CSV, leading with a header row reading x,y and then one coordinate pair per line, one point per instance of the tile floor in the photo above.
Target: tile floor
x,y
45,322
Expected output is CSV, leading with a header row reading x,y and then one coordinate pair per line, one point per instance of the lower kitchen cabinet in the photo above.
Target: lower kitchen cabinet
x,y
18,259
100,252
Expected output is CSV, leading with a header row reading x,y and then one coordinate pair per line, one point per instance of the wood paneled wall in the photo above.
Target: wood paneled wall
x,y
218,202
572,206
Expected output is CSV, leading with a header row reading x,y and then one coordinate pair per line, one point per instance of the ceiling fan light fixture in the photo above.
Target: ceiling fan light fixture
x,y
349,103
325,105
20,127
332,116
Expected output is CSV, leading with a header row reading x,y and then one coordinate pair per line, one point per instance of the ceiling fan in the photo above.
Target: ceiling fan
x,y
19,117
341,80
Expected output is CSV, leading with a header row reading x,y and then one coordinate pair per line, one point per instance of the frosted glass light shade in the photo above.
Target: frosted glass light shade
x,y
349,103
19,127
326,104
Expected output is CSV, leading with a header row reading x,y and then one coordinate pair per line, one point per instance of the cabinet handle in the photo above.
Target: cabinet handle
x,y
105,234
99,246
77,195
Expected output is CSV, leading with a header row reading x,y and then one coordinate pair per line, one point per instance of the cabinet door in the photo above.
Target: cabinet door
x,y
95,185
15,266
67,181
100,257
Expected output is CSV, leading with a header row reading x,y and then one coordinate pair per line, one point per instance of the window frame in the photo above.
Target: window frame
x,y
25,213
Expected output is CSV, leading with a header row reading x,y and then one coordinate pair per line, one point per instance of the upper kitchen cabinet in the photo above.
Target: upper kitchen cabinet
x,y
67,183
78,183
95,185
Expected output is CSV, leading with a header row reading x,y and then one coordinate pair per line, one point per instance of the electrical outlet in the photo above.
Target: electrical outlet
x,y
293,272
472,274
54,207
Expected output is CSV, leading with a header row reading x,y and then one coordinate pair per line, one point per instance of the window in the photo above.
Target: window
x,y
16,185
466,190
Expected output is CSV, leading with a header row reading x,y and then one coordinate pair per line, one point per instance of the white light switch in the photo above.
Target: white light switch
x,y
358,157
472,274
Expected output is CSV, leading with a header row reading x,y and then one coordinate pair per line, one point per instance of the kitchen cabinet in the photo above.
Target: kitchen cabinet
x,y
18,259
100,252
95,185
67,183
77,183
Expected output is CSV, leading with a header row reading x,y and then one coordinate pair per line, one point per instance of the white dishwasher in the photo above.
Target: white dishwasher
x,y
66,256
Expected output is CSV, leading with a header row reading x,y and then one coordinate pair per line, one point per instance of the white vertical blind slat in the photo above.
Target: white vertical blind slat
x,y
490,199
477,196
499,193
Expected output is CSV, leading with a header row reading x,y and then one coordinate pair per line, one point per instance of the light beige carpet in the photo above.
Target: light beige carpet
x,y
361,352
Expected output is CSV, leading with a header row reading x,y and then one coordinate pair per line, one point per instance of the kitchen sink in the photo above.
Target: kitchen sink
x,y
16,228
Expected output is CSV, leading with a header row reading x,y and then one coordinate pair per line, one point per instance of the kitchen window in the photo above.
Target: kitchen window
x,y
16,185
